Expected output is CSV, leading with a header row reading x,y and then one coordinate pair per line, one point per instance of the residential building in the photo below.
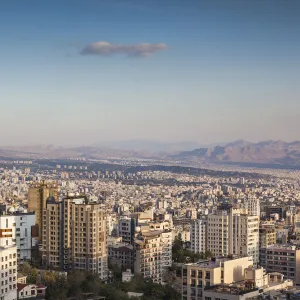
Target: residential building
x,y
149,261
16,228
76,235
126,229
253,206
233,231
280,210
8,272
282,258
218,232
38,193
244,234
267,235
198,236
205,273
167,241
122,255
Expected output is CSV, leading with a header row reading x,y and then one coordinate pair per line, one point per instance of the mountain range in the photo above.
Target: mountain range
x,y
277,153
266,152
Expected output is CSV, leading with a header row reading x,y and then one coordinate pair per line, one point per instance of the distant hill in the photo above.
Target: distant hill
x,y
149,145
266,152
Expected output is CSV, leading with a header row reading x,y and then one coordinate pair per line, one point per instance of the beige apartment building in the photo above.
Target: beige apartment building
x,y
244,235
150,259
233,231
38,193
282,258
197,276
76,236
267,235
218,233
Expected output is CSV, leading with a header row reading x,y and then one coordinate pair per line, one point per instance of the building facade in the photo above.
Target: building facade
x,y
15,229
198,236
126,229
233,231
8,272
76,236
149,259
267,236
244,234
121,255
218,233
253,206
196,277
38,193
282,258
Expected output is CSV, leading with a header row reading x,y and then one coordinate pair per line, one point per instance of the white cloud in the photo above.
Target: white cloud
x,y
139,50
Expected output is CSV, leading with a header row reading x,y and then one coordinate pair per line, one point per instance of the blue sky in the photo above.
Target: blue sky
x,y
228,70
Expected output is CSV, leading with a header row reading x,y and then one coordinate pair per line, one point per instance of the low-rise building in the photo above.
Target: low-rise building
x,y
205,273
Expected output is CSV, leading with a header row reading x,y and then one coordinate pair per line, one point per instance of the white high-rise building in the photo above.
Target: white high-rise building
x,y
253,206
167,240
244,235
8,272
198,236
233,231
16,228
218,233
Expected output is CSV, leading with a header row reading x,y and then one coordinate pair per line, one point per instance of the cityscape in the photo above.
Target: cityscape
x,y
150,150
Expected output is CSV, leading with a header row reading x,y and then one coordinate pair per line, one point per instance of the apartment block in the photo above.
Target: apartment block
x,y
150,254
198,236
8,273
233,231
282,258
267,236
244,234
126,229
218,233
253,206
76,236
122,255
15,229
38,193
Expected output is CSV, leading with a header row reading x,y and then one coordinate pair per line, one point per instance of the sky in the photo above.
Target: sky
x,y
85,71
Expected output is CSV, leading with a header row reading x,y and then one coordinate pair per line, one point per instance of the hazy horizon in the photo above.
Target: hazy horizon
x,y
79,72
